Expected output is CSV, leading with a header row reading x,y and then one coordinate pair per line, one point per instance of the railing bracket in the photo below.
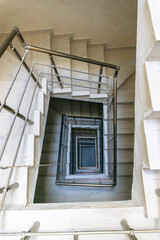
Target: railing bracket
x,y
33,229
125,226
12,186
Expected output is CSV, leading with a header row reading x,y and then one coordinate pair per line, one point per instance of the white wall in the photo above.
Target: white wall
x,y
145,41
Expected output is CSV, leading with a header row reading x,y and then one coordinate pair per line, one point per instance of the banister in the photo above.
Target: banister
x,y
8,41
24,63
70,56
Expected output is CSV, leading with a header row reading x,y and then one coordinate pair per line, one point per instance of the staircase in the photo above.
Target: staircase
x,y
46,190
76,95
36,164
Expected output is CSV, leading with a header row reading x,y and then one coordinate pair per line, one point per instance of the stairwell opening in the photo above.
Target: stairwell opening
x,y
47,191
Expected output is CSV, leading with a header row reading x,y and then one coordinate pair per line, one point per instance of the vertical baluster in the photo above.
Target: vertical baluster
x,y
100,79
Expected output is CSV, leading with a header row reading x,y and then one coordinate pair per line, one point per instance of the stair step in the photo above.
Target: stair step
x,y
53,116
84,109
123,169
125,110
26,152
121,57
51,137
17,196
151,129
96,110
80,92
48,192
100,95
96,52
62,44
75,108
35,116
123,127
125,155
153,75
123,142
52,129
151,181
79,48
50,147
61,106
49,158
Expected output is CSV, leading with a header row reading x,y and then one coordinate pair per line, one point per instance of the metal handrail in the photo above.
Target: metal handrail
x,y
75,85
131,231
73,70
70,56
74,78
15,32
126,229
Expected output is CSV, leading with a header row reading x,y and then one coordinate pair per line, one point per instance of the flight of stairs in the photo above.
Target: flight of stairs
x,y
31,139
125,111
47,191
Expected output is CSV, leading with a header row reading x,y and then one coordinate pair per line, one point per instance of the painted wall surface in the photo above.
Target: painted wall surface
x,y
145,41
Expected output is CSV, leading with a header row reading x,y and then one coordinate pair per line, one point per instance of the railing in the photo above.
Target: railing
x,y
130,232
35,78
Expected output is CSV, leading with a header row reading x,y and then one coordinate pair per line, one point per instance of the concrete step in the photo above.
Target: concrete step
x,y
75,108
52,128
35,116
49,158
62,44
151,129
96,52
125,58
79,48
125,155
84,109
123,169
125,110
26,152
126,91
153,75
151,181
124,141
61,106
48,192
18,196
124,126
53,118
50,147
96,110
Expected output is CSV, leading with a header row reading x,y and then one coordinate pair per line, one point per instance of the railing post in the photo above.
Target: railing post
x,y
100,79
16,53
75,236
33,229
125,226
7,41
56,71
10,187
115,123
157,192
